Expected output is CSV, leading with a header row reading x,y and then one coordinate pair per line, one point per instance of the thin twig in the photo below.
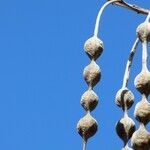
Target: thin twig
x,y
84,144
144,56
144,52
148,18
119,3
129,63
133,7
100,14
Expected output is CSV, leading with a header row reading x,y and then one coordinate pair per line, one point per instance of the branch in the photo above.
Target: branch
x,y
133,7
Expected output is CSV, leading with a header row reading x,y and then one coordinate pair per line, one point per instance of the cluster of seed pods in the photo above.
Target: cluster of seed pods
x,y
141,138
87,126
125,127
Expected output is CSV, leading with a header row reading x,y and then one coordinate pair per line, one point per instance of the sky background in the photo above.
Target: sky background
x,y
41,65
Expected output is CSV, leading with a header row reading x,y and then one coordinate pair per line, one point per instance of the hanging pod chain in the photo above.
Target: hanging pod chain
x,y
141,137
125,127
87,126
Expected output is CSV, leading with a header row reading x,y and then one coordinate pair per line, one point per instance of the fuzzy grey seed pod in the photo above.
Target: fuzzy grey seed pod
x,y
141,139
92,74
143,31
125,128
87,127
124,97
142,82
89,100
142,111
93,47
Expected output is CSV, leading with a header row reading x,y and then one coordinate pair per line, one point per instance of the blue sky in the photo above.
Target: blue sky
x,y
41,65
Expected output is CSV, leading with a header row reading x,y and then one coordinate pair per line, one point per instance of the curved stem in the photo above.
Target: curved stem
x,y
129,63
144,55
148,18
144,46
100,14
125,112
84,144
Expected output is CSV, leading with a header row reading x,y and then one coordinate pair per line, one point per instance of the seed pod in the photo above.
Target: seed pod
x,y
142,111
92,74
143,31
142,82
124,97
93,47
141,139
125,128
87,127
89,100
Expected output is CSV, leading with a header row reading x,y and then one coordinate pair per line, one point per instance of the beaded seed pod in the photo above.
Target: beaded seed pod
x,y
87,126
141,138
125,127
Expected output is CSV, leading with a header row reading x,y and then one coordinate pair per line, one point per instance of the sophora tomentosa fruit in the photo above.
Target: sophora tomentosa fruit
x,y
142,111
87,126
93,47
143,31
125,127
142,82
141,138
89,100
124,98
